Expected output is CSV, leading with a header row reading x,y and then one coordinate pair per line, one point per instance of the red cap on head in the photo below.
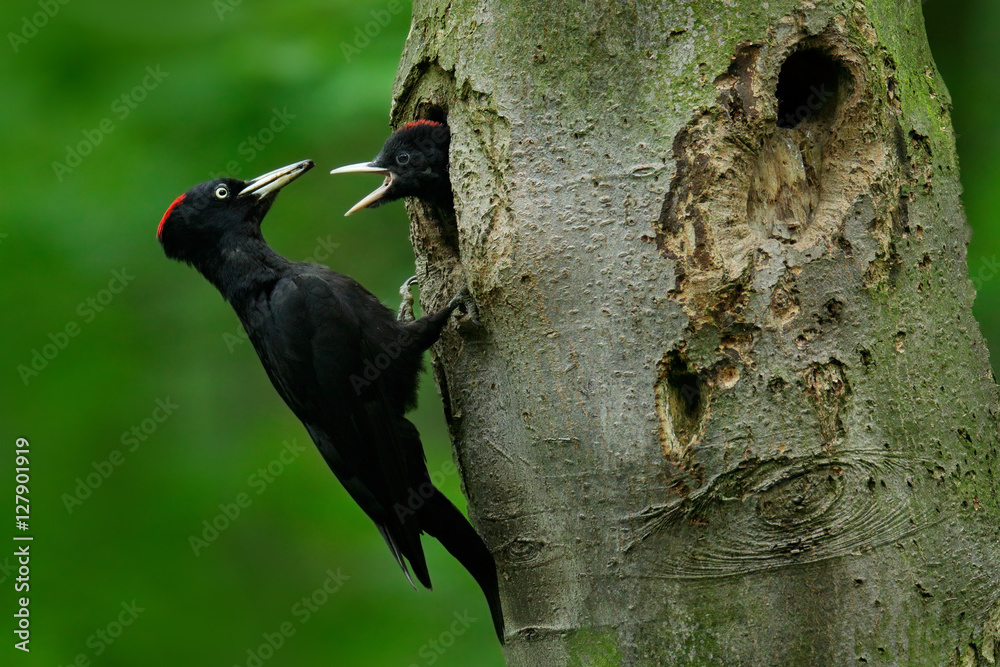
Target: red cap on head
x,y
418,123
170,209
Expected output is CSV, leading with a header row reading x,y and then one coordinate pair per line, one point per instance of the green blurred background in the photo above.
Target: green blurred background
x,y
235,70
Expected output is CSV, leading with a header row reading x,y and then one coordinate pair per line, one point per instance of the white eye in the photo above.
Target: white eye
x,y
222,192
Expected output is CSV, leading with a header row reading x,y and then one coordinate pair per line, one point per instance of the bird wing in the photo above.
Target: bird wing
x,y
314,343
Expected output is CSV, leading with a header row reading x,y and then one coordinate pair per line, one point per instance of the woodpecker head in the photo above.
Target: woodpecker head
x,y
414,161
208,216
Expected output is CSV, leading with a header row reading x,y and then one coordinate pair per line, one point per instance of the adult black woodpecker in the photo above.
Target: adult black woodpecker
x,y
342,362
414,162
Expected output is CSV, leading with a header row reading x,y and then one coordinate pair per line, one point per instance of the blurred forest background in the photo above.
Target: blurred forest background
x,y
166,96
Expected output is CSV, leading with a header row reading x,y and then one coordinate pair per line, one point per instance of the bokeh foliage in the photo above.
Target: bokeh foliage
x,y
167,335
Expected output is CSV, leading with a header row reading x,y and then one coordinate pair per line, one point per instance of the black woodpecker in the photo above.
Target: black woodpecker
x,y
414,161
340,359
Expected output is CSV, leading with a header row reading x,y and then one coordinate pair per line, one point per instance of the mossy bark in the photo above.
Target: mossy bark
x,y
729,404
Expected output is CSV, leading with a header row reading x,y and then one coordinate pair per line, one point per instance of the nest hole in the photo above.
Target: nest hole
x,y
680,391
809,85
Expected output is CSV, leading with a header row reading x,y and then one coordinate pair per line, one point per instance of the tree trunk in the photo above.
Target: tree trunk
x,y
729,404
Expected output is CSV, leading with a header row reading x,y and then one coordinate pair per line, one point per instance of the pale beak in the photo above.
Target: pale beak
x,y
367,168
273,181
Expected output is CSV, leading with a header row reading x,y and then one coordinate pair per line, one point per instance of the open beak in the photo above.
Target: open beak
x,y
273,181
367,168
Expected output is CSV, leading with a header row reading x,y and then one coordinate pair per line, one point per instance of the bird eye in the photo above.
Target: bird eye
x,y
222,192
402,158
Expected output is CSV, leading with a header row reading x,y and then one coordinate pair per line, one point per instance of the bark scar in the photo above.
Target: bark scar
x,y
781,512
828,390
798,134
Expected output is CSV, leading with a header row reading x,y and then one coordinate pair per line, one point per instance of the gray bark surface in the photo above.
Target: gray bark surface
x,y
729,405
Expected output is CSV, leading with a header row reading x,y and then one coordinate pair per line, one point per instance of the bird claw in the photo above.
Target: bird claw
x,y
468,305
405,312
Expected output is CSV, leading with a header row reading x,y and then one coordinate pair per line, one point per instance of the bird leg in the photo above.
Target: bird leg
x,y
405,313
426,331
461,300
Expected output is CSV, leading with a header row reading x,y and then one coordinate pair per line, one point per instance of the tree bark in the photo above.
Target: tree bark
x,y
729,404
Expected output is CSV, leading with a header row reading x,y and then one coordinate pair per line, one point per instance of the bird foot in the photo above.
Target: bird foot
x,y
464,301
405,313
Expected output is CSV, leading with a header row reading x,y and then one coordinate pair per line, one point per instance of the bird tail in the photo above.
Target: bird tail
x,y
416,558
439,518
